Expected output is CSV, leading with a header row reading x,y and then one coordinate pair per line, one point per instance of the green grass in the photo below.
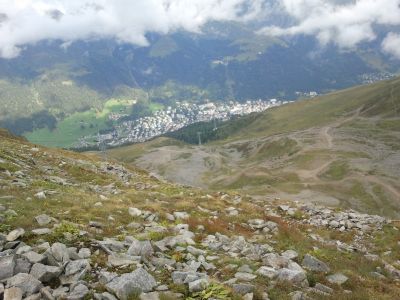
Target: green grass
x,y
79,124
337,171
393,124
276,149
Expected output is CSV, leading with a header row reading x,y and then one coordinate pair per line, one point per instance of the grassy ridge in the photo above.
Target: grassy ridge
x,y
380,99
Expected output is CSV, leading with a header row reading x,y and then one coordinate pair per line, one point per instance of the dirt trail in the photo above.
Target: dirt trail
x,y
327,137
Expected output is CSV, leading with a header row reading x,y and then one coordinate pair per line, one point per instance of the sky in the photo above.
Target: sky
x,y
344,23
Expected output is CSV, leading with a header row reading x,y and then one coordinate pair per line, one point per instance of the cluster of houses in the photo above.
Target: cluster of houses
x,y
174,118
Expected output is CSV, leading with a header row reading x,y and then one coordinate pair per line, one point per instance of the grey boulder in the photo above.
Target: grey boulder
x,y
13,293
337,278
140,248
27,283
292,276
15,234
313,264
43,219
127,284
7,265
79,292
74,271
45,273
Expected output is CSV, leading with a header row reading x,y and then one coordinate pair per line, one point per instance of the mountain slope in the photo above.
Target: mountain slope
x,y
228,61
75,226
341,149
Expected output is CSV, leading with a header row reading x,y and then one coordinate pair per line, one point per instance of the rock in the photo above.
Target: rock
x,y
299,295
34,257
323,288
248,296
43,247
96,224
313,264
195,251
126,284
150,296
283,208
13,293
41,231
377,275
392,270
245,269
243,288
73,253
290,254
79,292
181,215
46,293
27,283
181,277
118,260
292,276
57,255
268,272
84,253
22,265
105,277
23,249
337,278
40,195
242,276
134,212
104,296
43,220
1,290
15,234
112,245
198,285
275,261
169,217
75,271
7,266
60,292
140,248
45,273
162,288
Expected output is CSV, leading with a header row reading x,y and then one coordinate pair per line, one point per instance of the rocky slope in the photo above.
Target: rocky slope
x,y
77,227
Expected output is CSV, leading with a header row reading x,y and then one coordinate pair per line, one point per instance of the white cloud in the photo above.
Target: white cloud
x,y
391,44
25,22
345,23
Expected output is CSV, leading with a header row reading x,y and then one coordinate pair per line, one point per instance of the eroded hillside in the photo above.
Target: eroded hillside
x,y
342,149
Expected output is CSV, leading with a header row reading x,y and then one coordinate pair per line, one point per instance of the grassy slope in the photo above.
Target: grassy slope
x,y
381,99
